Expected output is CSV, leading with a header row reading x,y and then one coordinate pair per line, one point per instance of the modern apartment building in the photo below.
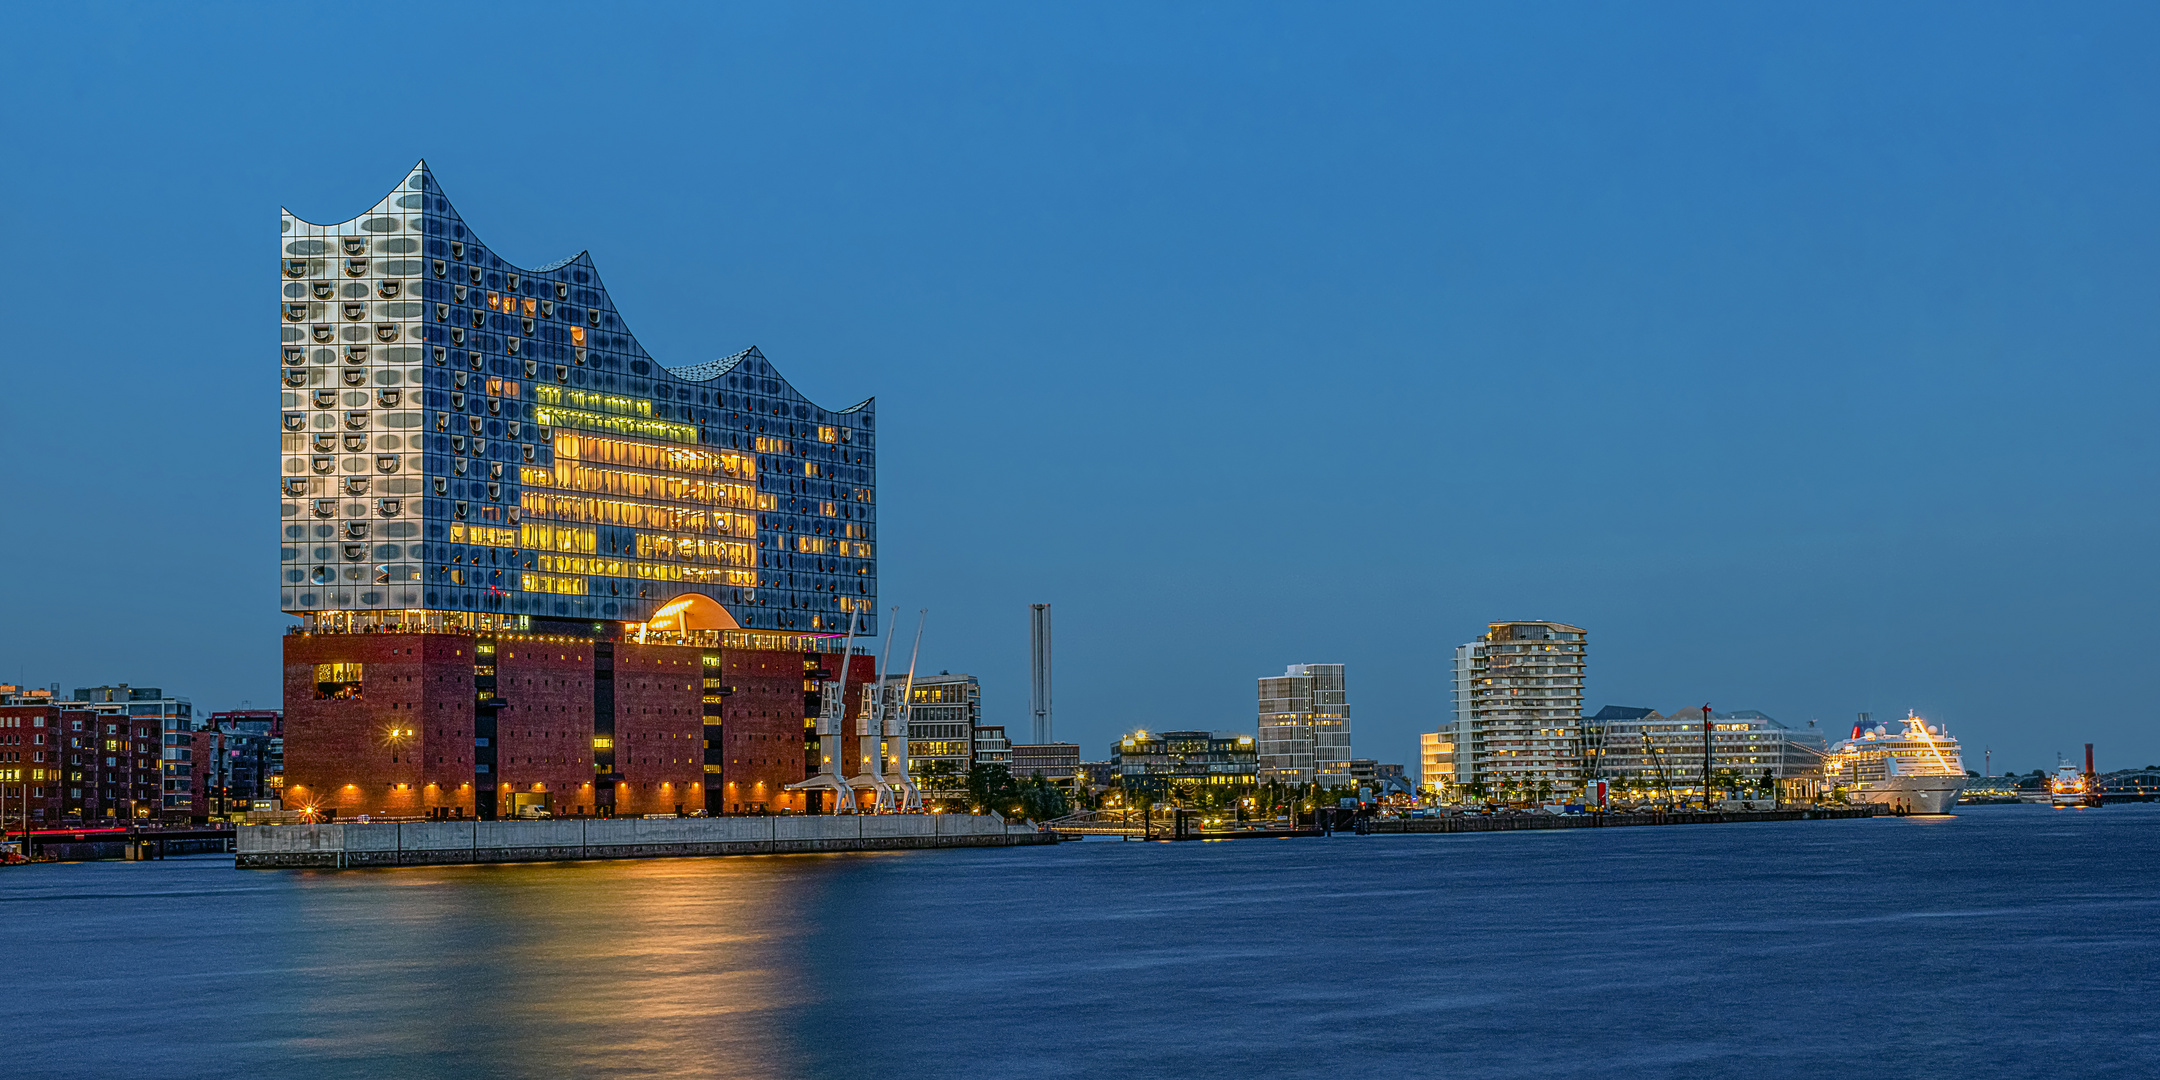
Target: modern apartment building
x,y
1436,761
1639,747
268,726
1517,731
1305,726
992,747
191,787
536,570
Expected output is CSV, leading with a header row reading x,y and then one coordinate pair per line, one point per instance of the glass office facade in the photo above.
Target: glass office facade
x,y
460,435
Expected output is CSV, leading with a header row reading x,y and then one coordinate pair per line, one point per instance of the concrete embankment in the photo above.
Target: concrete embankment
x,y
436,843
1459,823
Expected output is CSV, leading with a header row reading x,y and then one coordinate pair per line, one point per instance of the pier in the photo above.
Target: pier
x,y
440,843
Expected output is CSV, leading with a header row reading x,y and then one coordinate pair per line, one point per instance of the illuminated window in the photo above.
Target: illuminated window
x,y
550,583
828,434
483,535
337,682
558,538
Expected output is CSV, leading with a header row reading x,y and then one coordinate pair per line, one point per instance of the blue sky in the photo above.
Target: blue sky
x,y
1802,354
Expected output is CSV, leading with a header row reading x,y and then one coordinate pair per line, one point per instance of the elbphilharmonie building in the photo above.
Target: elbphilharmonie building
x,y
466,442
536,572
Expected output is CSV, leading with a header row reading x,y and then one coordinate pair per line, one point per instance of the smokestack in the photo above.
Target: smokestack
x,y
1039,670
2088,760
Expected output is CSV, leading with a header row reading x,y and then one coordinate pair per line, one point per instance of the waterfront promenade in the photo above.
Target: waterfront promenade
x,y
1461,823
438,843
1161,829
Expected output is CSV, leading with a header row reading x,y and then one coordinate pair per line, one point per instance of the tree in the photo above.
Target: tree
x,y
1041,800
991,787
936,774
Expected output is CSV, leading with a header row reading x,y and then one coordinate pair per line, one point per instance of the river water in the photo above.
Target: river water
x,y
2004,941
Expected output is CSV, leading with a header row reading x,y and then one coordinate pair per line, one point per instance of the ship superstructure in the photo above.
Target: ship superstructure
x,y
1914,768
2069,787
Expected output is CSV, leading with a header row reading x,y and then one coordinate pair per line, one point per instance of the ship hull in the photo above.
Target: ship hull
x,y
1914,794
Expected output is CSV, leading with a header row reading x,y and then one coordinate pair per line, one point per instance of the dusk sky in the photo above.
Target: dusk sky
x,y
1804,355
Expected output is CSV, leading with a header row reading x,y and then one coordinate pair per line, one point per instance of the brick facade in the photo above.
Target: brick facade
x,y
403,745
72,765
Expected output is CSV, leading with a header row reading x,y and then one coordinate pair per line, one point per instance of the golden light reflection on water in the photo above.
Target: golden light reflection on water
x,y
674,966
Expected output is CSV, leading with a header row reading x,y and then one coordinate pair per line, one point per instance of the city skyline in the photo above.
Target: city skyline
x,y
1832,376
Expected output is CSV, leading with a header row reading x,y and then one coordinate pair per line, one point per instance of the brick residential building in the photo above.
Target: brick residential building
x,y
68,765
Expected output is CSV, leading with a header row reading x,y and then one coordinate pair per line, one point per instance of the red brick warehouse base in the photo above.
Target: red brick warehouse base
x,y
385,724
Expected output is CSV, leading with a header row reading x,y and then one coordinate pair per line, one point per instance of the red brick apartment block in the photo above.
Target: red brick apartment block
x,y
62,766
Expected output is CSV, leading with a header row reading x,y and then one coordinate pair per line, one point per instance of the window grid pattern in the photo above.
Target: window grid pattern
x,y
462,434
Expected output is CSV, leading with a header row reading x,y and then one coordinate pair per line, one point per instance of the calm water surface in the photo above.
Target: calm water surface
x,y
2007,941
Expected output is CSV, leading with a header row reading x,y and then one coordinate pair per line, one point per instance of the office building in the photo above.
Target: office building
x,y
944,712
1098,776
536,570
1516,735
1305,726
1638,748
1052,761
1162,762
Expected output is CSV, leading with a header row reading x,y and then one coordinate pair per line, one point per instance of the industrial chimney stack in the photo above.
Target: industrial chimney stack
x,y
1039,670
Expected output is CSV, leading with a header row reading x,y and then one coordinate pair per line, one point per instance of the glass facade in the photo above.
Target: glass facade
x,y
463,435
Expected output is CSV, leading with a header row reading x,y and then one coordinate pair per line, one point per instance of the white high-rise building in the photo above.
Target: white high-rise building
x,y
1517,731
1305,726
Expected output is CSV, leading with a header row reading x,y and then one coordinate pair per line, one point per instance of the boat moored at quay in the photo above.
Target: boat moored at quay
x,y
1914,769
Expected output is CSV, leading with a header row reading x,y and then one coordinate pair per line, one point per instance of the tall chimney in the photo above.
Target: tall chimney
x,y
1039,670
2088,759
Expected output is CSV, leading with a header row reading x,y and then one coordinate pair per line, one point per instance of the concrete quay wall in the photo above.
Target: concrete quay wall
x,y
438,843
1457,823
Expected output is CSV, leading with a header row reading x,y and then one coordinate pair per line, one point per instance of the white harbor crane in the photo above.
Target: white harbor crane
x,y
832,710
897,793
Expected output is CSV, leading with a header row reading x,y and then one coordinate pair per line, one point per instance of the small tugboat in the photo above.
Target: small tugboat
x,y
2069,787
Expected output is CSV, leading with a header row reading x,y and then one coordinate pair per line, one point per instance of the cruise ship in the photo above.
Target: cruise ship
x,y
1916,770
